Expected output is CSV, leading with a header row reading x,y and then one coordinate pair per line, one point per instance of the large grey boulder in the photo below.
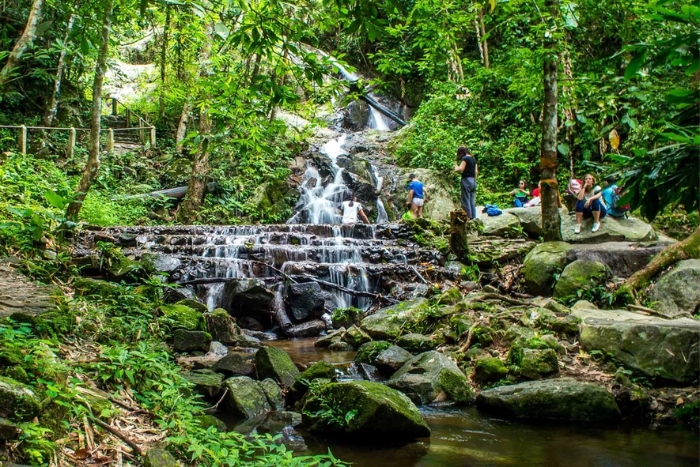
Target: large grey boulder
x,y
499,226
658,348
189,341
552,399
249,298
677,293
578,276
542,263
222,326
206,382
389,361
611,230
622,258
245,398
428,375
275,363
388,323
17,400
306,300
530,219
380,413
236,364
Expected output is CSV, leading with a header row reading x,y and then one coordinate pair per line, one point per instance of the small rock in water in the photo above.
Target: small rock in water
x,y
292,439
218,349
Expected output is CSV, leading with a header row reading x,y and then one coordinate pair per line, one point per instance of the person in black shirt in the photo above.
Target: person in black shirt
x,y
466,164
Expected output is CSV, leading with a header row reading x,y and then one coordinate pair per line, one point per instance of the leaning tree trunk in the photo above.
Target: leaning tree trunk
x,y
182,125
53,103
485,42
163,57
20,47
93,163
549,192
640,280
200,169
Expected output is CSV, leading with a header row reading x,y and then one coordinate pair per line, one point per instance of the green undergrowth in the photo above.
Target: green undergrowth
x,y
119,339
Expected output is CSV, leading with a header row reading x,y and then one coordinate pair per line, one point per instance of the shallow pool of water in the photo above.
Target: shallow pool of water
x,y
465,437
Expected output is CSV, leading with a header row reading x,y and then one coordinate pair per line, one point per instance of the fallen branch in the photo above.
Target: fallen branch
x,y
137,450
215,407
466,345
358,293
276,270
418,274
645,310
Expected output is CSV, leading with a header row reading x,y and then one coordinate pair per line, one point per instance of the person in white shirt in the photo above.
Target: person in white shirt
x,y
351,210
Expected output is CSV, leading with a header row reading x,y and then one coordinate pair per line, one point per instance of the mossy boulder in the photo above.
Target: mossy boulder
x,y
338,345
538,363
414,342
677,292
369,351
206,421
551,399
451,296
546,319
275,363
157,457
319,370
85,286
184,317
364,409
206,382
245,398
17,400
236,364
355,336
390,360
541,265
191,341
578,276
194,304
489,370
273,392
346,317
327,340
426,376
388,323
222,326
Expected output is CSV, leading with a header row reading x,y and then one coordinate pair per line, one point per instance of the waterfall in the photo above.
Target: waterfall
x,y
320,205
376,120
382,217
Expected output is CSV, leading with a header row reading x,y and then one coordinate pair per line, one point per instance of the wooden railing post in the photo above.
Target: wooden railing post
x,y
128,118
71,143
153,137
110,141
23,139
141,130
114,107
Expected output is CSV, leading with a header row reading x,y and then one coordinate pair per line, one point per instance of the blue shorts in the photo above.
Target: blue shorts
x,y
595,205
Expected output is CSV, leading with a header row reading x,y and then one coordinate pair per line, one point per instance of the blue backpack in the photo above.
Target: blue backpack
x,y
492,210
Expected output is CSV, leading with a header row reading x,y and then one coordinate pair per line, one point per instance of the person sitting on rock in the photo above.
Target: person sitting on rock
x,y
521,193
351,210
610,197
535,201
589,204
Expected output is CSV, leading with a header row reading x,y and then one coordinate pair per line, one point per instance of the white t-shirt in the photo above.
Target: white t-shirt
x,y
350,212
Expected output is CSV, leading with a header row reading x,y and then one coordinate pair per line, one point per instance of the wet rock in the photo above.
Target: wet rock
x,y
172,295
355,336
425,376
273,393
414,342
311,328
17,401
157,457
306,300
658,348
368,372
222,326
489,370
381,413
292,440
245,398
319,370
356,115
388,323
541,265
281,419
451,296
250,324
390,360
248,298
162,263
346,317
206,382
236,364
327,340
368,351
552,399
677,292
538,363
217,349
340,346
275,363
580,275
8,431
190,341
182,316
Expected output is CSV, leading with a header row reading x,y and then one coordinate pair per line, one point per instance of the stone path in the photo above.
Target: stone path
x,y
19,294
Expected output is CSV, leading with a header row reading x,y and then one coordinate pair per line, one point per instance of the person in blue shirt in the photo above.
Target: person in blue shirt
x,y
609,195
417,196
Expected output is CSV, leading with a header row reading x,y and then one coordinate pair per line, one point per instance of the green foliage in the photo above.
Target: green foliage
x,y
328,408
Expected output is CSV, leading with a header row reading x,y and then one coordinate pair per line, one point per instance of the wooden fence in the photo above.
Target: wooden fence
x,y
142,126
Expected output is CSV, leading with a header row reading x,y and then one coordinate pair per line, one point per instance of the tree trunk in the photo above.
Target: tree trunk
x,y
549,193
687,249
200,169
93,163
485,46
35,15
53,103
182,126
163,56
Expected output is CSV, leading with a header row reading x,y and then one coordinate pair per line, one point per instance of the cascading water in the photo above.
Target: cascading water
x,y
382,217
376,120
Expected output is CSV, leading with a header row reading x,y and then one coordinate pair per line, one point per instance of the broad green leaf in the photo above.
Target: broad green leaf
x,y
635,64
